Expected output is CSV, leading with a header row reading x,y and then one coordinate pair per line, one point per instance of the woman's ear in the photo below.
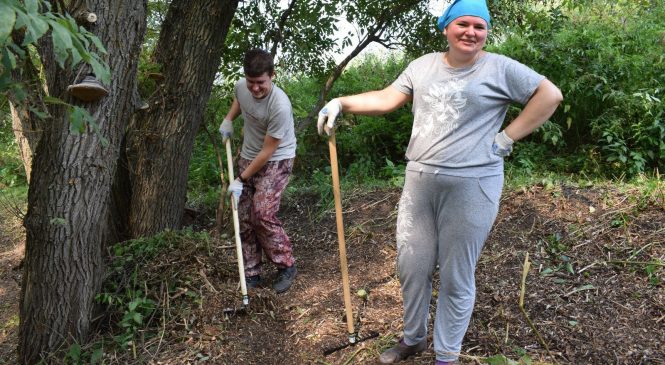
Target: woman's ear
x,y
444,32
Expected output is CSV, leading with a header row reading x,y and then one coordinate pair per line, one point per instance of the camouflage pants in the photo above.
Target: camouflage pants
x,y
260,230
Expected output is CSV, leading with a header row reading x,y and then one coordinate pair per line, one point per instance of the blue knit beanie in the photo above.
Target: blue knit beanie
x,y
460,8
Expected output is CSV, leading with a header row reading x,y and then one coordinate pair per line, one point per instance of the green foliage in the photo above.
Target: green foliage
x,y
123,290
76,355
652,274
363,143
304,35
607,58
12,173
72,44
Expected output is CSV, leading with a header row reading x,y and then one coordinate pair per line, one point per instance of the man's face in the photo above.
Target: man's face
x,y
259,86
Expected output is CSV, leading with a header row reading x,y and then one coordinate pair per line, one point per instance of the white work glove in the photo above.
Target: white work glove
x,y
235,189
503,145
226,130
327,116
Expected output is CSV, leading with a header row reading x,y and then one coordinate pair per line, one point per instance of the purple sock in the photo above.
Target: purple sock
x,y
439,362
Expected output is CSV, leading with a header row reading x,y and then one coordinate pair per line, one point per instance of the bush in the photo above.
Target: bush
x,y
607,58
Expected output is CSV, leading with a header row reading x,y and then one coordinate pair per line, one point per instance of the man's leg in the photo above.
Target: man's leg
x,y
251,249
269,183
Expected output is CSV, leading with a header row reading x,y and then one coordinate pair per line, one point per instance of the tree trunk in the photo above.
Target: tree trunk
x,y
70,189
161,140
26,124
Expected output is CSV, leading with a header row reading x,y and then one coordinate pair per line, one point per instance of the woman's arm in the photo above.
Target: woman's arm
x,y
369,103
537,110
374,102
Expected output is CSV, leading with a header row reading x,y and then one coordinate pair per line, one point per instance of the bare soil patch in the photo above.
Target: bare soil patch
x,y
12,243
595,292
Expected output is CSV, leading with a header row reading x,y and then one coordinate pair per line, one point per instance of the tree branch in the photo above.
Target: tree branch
x,y
373,35
277,39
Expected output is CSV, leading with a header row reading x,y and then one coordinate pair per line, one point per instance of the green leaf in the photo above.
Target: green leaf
x,y
96,356
77,119
62,42
32,6
74,352
101,69
137,317
40,114
80,51
37,27
7,20
22,19
8,60
132,305
53,100
98,44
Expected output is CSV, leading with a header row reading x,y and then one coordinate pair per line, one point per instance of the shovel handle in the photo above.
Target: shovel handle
x,y
340,235
236,227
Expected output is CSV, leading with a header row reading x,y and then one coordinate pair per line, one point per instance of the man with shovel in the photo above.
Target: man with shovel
x,y
264,167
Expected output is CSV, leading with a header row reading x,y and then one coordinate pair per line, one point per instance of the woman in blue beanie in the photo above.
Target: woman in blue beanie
x,y
454,174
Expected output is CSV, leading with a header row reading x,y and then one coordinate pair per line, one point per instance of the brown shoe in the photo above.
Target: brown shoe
x,y
402,351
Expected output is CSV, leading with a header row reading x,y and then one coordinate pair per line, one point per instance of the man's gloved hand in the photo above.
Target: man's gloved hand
x,y
235,189
327,116
226,130
503,145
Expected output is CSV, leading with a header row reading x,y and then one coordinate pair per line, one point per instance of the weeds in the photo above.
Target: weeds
x,y
129,292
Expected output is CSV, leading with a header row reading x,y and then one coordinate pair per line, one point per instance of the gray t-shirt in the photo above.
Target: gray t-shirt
x,y
458,111
270,116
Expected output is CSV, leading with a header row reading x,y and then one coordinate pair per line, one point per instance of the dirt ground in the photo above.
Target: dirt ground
x,y
595,291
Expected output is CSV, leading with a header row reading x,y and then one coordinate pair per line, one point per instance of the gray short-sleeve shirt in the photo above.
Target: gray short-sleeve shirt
x,y
272,116
458,111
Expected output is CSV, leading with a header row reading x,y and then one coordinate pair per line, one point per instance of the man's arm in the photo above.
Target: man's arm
x,y
234,111
226,128
270,145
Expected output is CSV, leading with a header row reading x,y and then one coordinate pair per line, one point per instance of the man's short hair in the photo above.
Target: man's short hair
x,y
257,62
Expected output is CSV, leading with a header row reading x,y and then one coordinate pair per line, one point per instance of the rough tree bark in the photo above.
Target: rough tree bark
x,y
70,188
161,139
26,124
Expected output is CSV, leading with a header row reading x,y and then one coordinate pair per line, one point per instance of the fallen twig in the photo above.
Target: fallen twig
x,y
207,282
656,263
525,271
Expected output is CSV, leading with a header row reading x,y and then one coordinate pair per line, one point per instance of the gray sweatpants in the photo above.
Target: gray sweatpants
x,y
442,220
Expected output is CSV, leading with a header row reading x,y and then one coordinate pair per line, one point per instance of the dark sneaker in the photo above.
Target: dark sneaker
x,y
402,351
253,281
284,279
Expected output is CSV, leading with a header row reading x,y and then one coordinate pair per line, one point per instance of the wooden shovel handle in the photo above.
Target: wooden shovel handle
x,y
340,234
236,227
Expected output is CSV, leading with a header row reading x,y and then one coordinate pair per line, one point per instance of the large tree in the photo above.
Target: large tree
x,y
72,171
160,140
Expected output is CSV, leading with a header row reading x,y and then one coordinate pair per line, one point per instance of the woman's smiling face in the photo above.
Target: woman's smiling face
x,y
467,34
